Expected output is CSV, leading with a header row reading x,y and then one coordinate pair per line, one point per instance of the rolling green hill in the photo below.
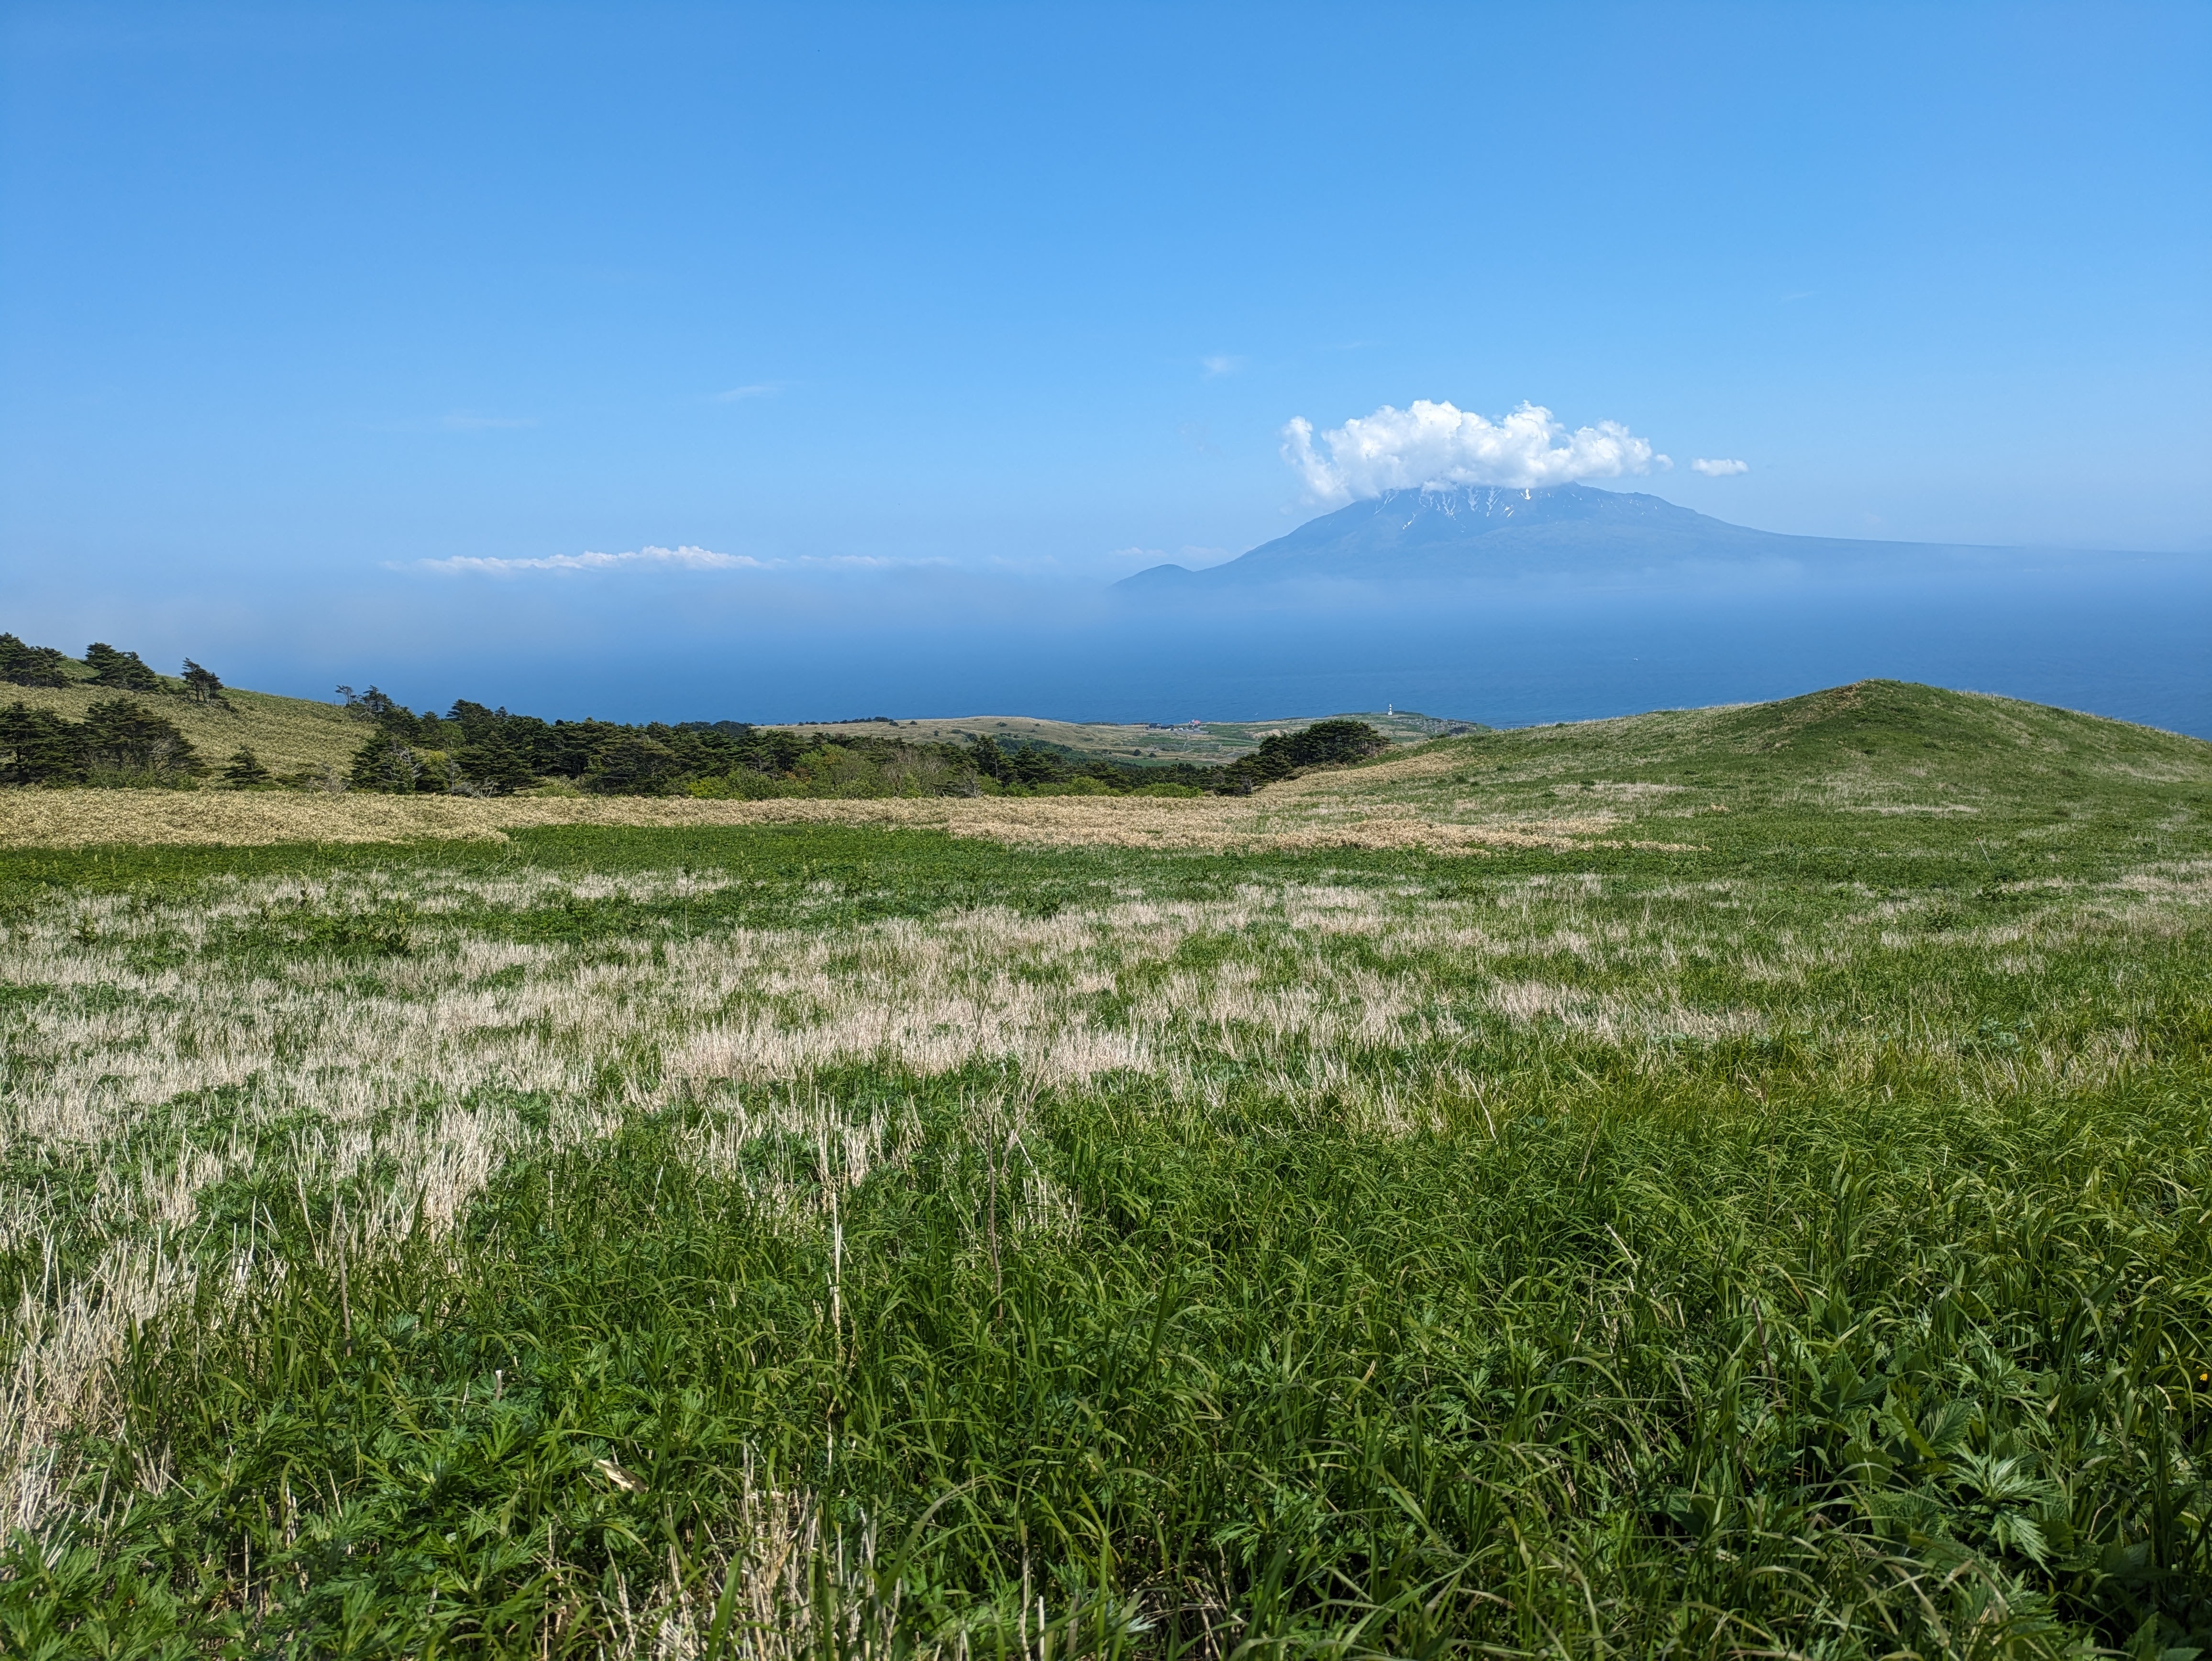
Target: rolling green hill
x,y
1873,770
291,736
1744,1191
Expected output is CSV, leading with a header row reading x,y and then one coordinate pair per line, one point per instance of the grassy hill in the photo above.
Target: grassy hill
x,y
1852,781
289,735
1872,772
1710,1183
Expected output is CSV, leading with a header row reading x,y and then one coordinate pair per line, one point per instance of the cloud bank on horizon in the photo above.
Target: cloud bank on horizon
x,y
652,557
1436,443
686,558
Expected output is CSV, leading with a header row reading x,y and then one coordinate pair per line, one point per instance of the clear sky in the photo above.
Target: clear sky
x,y
296,302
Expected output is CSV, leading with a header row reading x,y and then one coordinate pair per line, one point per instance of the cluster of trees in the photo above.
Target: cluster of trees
x,y
1049,769
102,665
1324,743
119,741
32,666
473,749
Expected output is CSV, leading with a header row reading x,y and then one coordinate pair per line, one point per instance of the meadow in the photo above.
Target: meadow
x,y
1721,1183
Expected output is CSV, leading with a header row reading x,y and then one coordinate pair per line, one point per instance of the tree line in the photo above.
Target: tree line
x,y
472,750
120,740
103,664
476,750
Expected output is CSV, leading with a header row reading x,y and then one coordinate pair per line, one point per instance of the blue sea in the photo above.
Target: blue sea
x,y
2129,637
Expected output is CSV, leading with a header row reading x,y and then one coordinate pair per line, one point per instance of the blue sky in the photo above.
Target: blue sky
x,y
293,300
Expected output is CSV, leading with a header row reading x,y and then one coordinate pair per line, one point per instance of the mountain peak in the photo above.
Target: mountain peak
x,y
1499,505
1465,530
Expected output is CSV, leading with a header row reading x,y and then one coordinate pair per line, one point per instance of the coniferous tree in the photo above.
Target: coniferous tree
x,y
1325,744
31,665
125,671
631,764
37,746
244,771
388,764
1033,763
371,705
987,759
201,684
126,740
494,766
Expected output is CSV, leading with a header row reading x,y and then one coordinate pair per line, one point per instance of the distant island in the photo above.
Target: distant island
x,y
1432,535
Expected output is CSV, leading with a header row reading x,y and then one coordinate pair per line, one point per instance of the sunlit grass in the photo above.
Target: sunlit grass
x,y
291,736
767,1240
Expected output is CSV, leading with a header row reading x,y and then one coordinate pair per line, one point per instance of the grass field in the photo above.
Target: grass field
x,y
1727,1182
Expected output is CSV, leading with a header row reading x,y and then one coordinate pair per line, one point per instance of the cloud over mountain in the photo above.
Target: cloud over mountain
x,y
1438,444
1719,469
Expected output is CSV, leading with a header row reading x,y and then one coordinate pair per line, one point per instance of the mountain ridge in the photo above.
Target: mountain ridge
x,y
1469,531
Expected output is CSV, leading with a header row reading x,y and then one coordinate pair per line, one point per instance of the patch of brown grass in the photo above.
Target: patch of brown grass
x,y
73,818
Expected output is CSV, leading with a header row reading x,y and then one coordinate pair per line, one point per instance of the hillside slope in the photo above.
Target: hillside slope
x,y
289,735
1868,782
1882,768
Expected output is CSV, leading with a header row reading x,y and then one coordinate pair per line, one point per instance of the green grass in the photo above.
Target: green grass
x,y
771,1241
1875,779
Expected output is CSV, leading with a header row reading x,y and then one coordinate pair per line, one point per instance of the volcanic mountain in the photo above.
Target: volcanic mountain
x,y
1470,530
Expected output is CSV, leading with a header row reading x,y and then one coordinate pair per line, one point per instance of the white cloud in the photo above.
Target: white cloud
x,y
1220,363
1437,444
686,558
1718,469
757,389
649,558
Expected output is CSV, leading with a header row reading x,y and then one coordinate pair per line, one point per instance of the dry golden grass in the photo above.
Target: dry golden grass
x,y
1270,819
416,1077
